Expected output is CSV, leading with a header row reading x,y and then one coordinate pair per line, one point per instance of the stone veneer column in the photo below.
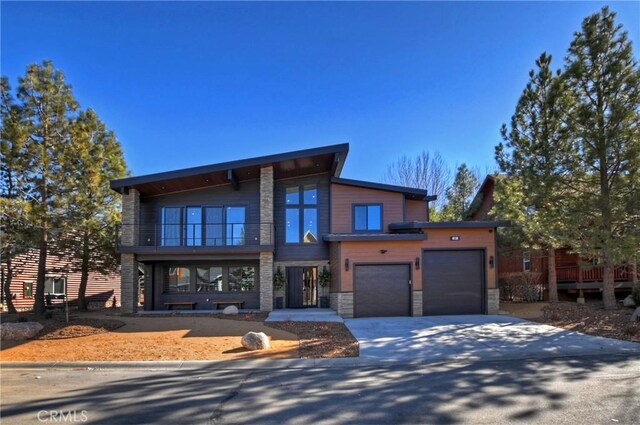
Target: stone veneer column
x,y
128,265
493,301
342,303
416,298
266,238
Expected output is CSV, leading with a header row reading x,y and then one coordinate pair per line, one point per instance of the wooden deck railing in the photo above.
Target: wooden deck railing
x,y
591,274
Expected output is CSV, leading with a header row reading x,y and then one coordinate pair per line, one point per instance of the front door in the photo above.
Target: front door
x,y
302,287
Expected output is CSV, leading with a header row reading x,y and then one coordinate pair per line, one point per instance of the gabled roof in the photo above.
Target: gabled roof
x,y
289,164
408,192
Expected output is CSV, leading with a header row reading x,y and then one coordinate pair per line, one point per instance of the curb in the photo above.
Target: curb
x,y
291,364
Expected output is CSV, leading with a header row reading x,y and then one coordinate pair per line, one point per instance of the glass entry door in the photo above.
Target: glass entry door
x,y
302,287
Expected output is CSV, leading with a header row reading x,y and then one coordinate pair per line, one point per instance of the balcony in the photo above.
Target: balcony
x,y
195,238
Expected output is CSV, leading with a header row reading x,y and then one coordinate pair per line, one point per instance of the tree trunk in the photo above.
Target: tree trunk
x,y
634,272
551,274
7,286
608,290
84,274
39,306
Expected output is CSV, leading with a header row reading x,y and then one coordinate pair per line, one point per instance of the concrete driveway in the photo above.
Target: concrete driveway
x,y
474,337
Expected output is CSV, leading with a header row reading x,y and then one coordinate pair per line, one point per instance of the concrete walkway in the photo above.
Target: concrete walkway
x,y
304,315
470,338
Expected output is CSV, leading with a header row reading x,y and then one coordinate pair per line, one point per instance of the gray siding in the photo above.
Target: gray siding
x,y
292,252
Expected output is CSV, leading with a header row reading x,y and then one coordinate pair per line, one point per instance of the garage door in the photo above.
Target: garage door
x,y
453,282
382,290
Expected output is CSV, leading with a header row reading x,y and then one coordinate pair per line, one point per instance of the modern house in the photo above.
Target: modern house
x,y
217,234
574,274
62,281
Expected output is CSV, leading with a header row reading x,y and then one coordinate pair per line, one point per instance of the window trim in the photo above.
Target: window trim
x,y
24,289
301,206
64,284
367,230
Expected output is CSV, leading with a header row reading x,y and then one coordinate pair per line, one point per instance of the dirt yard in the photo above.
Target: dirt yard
x,y
99,337
588,318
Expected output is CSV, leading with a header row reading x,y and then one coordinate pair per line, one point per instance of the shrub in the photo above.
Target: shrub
x,y
525,286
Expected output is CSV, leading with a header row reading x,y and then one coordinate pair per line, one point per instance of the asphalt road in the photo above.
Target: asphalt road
x,y
570,390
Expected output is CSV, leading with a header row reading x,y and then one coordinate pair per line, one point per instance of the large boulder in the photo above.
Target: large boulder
x,y
232,309
20,331
635,317
629,302
255,341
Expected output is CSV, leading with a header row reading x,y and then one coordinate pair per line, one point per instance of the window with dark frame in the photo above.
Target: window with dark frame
x,y
27,289
301,214
210,278
203,225
367,217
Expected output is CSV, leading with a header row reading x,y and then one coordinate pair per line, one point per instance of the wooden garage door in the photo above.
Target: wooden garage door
x,y
382,290
453,282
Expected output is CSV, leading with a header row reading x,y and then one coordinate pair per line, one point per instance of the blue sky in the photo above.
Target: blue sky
x,y
185,84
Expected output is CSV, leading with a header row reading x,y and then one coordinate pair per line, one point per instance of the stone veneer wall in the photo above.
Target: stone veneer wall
x,y
493,301
416,298
342,302
129,265
266,222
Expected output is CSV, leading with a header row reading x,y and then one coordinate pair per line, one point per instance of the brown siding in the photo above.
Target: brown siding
x,y
407,251
101,288
342,200
415,210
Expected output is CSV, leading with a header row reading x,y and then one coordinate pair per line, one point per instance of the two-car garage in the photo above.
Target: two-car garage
x,y
453,282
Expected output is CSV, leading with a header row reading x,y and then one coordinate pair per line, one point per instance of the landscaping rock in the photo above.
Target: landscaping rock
x,y
255,341
232,309
629,302
635,317
20,331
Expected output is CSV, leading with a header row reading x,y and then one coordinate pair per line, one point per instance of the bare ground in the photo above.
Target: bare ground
x,y
590,318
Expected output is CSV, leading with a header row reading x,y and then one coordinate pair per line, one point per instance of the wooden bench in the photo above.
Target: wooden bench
x,y
239,304
192,304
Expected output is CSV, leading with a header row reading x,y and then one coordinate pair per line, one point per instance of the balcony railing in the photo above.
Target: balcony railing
x,y
195,235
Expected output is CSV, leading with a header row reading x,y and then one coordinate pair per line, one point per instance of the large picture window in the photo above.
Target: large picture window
x,y
367,218
301,217
210,278
209,226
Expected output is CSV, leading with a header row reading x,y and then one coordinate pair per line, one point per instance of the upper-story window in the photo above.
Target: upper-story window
x,y
526,261
210,226
301,216
367,217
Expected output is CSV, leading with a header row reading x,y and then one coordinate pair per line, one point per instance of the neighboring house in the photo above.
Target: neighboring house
x,y
573,273
61,280
218,233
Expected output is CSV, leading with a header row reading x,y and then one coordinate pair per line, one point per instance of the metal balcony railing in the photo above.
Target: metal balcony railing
x,y
210,234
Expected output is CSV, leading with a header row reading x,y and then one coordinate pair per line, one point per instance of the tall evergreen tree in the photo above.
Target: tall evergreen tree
x,y
459,194
15,229
605,80
535,160
92,207
47,104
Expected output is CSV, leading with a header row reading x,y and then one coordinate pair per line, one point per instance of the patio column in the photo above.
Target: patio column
x,y
128,264
266,238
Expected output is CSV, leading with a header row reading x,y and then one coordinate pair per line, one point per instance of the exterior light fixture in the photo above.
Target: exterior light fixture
x,y
346,264
491,261
417,263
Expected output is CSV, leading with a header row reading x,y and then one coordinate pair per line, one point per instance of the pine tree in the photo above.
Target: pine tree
x,y
16,231
535,160
605,80
459,194
47,105
92,207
